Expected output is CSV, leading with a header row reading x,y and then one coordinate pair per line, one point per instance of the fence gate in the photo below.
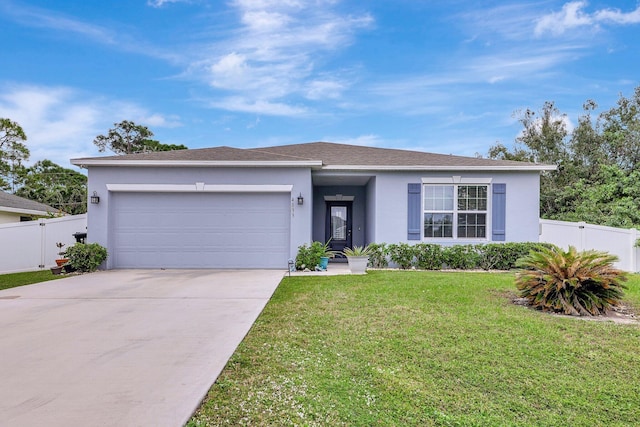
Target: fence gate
x,y
31,245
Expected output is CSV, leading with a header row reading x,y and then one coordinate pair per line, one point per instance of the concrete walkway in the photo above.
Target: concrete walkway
x,y
122,347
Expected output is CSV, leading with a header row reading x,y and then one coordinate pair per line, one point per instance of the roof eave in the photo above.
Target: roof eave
x,y
532,167
23,211
84,163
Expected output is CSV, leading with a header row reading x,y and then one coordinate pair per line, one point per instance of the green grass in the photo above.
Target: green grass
x,y
425,349
20,279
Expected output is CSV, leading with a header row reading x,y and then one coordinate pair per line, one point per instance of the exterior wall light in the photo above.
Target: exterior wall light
x,y
95,199
300,199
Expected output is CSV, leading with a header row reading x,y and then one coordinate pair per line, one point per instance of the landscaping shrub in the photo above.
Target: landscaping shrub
x,y
378,255
503,256
570,282
429,256
461,257
432,256
86,257
306,258
402,254
309,256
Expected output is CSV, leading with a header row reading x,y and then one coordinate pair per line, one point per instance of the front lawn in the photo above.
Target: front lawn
x,y
19,279
396,348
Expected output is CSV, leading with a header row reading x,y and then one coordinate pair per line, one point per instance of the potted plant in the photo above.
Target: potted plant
x,y
358,258
57,269
325,252
62,260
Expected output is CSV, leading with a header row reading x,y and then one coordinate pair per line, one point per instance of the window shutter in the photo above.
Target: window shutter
x,y
499,212
414,212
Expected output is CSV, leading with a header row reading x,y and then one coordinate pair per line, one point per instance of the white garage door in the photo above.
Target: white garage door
x,y
200,230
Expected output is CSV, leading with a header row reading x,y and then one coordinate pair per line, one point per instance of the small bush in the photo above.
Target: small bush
x,y
503,256
570,282
86,257
306,258
402,254
309,256
461,257
378,255
429,256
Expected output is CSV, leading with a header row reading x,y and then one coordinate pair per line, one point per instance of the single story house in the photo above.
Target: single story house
x,y
227,207
16,209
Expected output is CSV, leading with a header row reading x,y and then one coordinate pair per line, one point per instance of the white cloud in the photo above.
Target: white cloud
x,y
324,89
265,21
31,16
43,18
161,3
617,17
573,16
258,106
61,123
277,53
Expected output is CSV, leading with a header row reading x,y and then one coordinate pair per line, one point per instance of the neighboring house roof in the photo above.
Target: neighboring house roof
x,y
20,205
321,155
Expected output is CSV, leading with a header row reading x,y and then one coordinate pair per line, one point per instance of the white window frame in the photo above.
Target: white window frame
x,y
457,181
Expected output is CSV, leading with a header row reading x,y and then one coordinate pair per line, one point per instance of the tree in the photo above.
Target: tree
x,y
12,153
51,184
621,132
542,140
128,138
153,145
598,164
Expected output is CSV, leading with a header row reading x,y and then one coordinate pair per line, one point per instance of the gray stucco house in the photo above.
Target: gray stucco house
x,y
226,207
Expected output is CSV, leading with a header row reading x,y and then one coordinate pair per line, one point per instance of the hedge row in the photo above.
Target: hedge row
x,y
430,256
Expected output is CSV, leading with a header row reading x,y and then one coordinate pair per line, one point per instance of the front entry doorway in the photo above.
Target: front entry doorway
x,y
338,225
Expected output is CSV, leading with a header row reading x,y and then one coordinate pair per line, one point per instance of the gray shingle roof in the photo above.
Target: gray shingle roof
x,y
11,201
333,154
330,154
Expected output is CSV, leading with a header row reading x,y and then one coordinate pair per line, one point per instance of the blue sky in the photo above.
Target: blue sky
x,y
429,75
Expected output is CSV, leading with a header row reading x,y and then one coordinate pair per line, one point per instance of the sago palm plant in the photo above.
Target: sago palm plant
x,y
570,282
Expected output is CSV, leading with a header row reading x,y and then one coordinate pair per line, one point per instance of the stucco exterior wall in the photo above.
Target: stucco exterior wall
x,y
522,204
7,217
370,232
99,216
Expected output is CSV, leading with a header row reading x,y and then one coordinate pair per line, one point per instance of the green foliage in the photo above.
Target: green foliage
x,y
429,256
27,278
127,137
598,163
378,253
504,256
61,188
309,256
570,282
461,257
86,257
611,196
153,145
402,254
13,152
356,251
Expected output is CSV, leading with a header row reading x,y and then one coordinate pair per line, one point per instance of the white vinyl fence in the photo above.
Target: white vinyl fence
x,y
583,236
31,245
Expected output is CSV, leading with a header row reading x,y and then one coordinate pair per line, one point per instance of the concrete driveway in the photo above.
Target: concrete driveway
x,y
122,347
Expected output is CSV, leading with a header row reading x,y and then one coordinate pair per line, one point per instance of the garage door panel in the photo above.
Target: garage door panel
x,y
200,230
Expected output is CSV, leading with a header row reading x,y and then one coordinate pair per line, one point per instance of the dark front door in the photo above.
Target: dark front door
x,y
338,225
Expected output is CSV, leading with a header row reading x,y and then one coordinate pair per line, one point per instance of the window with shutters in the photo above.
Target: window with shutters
x,y
455,211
